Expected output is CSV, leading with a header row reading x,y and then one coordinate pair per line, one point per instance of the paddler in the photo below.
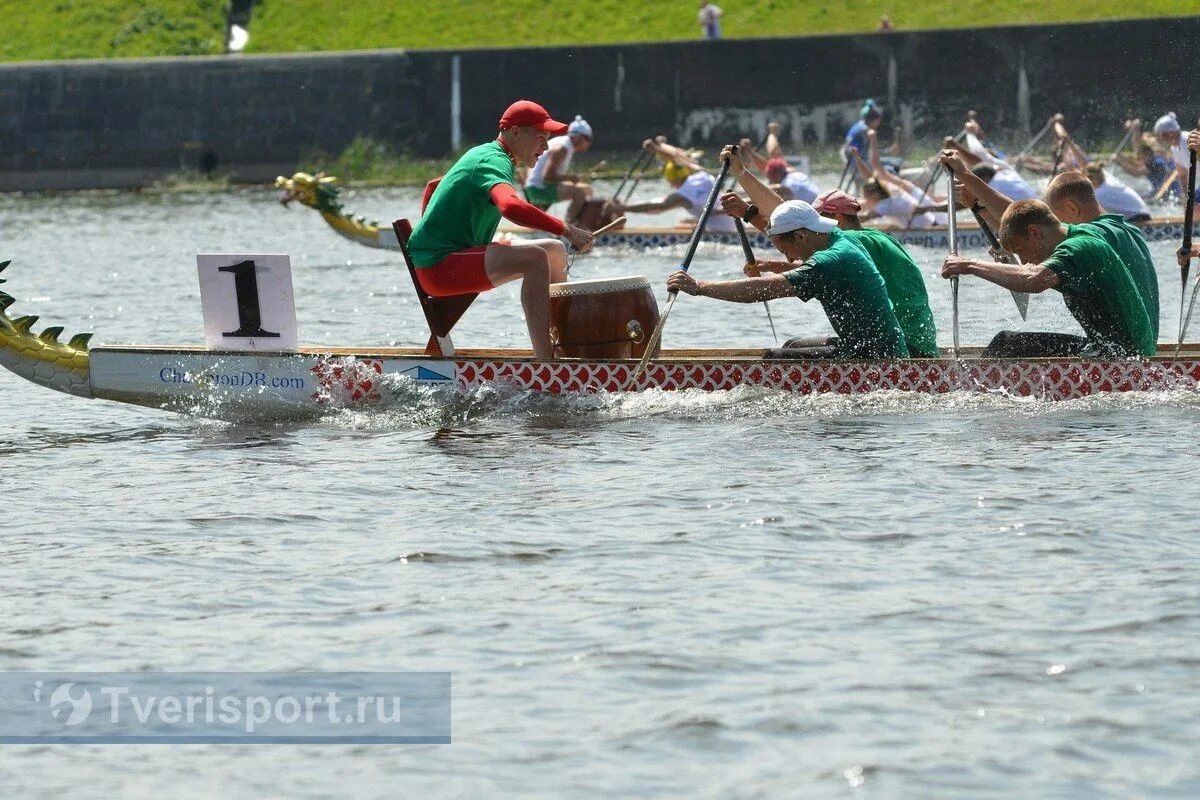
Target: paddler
x,y
690,182
789,182
549,180
1096,287
451,245
834,270
1115,197
1169,136
892,199
901,276
1072,199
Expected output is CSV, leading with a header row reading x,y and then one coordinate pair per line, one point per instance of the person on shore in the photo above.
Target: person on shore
x,y
451,245
549,181
1114,196
833,270
901,276
691,185
1096,287
710,20
1072,199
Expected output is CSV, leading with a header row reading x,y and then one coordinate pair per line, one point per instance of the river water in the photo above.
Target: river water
x,y
730,595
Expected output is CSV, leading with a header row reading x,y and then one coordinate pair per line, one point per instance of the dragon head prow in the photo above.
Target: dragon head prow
x,y
42,359
318,191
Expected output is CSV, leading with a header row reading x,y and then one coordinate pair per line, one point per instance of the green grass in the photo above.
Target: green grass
x,y
291,25
54,29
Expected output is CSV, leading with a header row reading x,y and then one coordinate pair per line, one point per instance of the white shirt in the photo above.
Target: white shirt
x,y
695,190
537,175
800,185
1117,198
1179,153
1008,183
898,209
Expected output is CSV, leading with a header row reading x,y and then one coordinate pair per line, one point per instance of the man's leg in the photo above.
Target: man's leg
x,y
578,194
531,263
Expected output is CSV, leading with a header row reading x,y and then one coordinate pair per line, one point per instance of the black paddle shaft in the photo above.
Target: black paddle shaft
x,y
741,229
704,215
1190,209
637,162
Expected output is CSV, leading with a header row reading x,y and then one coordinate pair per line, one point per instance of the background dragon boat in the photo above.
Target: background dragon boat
x,y
321,192
314,380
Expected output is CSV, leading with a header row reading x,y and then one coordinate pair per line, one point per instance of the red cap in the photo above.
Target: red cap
x,y
528,113
776,169
837,202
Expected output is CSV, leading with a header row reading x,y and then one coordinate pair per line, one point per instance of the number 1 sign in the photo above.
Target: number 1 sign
x,y
247,302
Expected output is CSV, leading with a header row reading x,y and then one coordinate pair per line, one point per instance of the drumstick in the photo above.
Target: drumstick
x,y
615,225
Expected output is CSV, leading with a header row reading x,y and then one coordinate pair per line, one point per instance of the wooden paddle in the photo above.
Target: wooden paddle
x,y
1166,185
1033,142
1186,248
697,233
952,211
749,253
637,163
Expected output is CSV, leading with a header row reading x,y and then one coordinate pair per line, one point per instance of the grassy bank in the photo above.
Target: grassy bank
x,y
55,29
291,25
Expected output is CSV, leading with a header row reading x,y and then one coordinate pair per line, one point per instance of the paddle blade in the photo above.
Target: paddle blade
x,y
655,338
1022,301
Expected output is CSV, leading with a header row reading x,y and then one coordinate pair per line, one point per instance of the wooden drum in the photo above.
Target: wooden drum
x,y
602,318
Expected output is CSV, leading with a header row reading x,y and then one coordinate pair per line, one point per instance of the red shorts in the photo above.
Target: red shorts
x,y
457,273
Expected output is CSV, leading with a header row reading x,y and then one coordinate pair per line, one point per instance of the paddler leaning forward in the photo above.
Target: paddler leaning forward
x,y
1096,287
901,276
1071,197
833,270
451,246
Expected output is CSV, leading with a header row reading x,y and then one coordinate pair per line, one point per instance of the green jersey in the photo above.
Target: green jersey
x,y
905,288
1130,245
854,297
1100,294
461,214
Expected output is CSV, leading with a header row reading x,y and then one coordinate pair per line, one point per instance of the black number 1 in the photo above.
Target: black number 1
x,y
245,285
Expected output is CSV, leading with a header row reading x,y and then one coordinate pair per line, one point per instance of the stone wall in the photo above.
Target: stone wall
x,y
118,123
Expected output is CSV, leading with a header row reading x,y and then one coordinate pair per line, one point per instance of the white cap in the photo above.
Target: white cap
x,y
796,214
1167,123
579,127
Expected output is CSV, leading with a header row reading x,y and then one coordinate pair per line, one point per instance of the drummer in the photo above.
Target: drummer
x,y
451,246
690,182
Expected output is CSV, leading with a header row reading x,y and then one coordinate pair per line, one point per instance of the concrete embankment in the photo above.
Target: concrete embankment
x,y
91,124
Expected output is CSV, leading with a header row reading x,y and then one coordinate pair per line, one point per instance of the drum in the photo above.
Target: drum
x,y
595,214
602,318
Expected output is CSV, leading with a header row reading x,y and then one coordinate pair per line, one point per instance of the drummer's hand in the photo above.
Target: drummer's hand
x,y
648,144
736,167
751,270
1058,118
955,266
733,205
1194,141
680,281
971,126
773,127
580,239
1183,258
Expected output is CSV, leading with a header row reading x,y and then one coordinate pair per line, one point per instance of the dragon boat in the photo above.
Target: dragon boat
x,y
321,192
313,380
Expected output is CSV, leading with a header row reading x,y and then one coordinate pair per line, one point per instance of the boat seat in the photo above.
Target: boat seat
x,y
441,313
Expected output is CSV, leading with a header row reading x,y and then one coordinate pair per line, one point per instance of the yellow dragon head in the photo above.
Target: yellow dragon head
x,y
42,358
318,191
